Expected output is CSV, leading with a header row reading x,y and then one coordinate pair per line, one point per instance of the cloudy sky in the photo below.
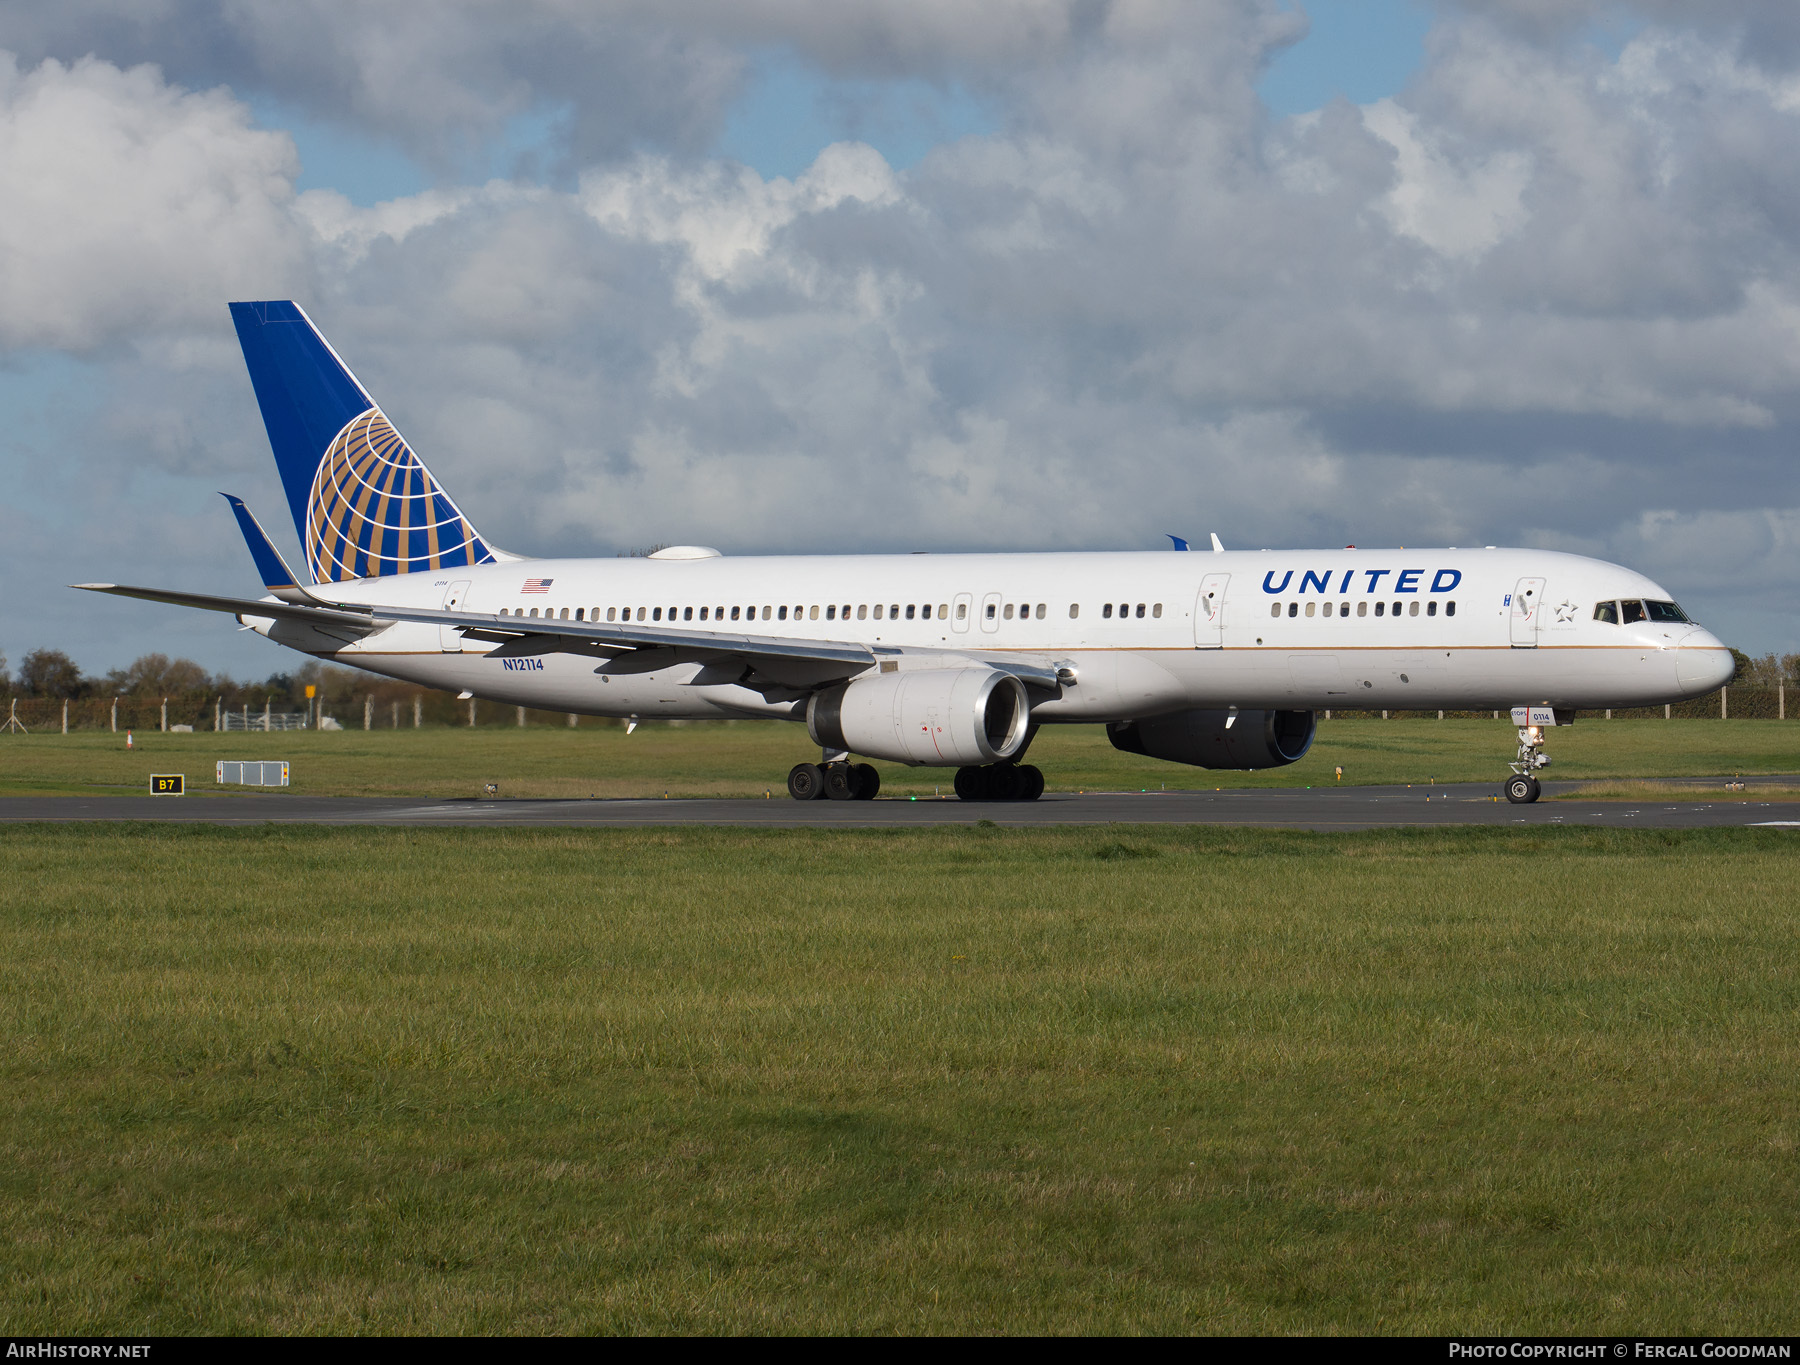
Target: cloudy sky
x,y
911,275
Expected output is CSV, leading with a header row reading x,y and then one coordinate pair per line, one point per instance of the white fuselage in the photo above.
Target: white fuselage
x,y
1141,633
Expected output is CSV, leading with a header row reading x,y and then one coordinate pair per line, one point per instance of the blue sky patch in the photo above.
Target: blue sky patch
x,y
791,111
1363,50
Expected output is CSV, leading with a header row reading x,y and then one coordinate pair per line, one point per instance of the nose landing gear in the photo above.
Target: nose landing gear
x,y
1522,788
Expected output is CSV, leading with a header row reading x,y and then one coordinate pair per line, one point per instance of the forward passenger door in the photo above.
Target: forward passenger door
x,y
1527,602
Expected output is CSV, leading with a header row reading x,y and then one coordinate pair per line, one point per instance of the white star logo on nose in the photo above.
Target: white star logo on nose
x,y
1565,612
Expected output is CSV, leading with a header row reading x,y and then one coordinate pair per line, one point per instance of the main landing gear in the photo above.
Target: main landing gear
x,y
843,781
1000,782
839,781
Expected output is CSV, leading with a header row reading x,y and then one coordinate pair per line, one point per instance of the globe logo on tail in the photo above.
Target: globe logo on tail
x,y
375,510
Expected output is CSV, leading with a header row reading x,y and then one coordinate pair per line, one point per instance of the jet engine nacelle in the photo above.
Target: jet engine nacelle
x,y
1212,739
946,717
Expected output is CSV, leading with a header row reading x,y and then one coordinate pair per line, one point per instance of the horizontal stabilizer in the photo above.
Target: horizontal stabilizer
x,y
336,617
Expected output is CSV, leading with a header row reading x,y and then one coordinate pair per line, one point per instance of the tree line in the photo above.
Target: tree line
x,y
193,694
49,687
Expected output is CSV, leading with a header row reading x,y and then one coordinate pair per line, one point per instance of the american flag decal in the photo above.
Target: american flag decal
x,y
537,585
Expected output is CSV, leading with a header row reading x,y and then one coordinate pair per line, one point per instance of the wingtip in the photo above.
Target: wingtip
x,y
95,587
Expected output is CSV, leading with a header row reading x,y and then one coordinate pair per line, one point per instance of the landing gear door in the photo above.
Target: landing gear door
x,y
1209,612
1525,607
450,639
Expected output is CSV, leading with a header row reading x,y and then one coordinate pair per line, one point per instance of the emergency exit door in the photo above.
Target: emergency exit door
x,y
1209,612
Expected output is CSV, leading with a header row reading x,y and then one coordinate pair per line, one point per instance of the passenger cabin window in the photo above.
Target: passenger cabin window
x,y
1105,612
862,612
1156,611
812,615
1074,611
687,613
831,613
1412,609
1008,613
1293,609
1362,608
1274,608
765,615
781,613
1140,611
1311,607
1328,608
990,611
893,611
943,611
1449,608
1630,613
1040,611
910,609
1431,608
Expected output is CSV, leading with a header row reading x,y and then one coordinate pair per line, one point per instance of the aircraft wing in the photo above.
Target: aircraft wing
x,y
626,648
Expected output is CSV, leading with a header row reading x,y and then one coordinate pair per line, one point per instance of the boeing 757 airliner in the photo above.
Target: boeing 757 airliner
x,y
1218,660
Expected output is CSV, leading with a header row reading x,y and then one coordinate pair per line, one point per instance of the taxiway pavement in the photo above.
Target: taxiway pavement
x,y
1338,808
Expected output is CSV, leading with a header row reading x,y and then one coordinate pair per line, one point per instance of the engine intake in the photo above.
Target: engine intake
x,y
944,717
1255,739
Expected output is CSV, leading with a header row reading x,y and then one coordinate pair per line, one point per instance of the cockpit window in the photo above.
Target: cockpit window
x,y
1665,611
1631,613
1607,612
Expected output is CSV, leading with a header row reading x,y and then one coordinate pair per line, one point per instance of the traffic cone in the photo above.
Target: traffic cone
x,y
128,739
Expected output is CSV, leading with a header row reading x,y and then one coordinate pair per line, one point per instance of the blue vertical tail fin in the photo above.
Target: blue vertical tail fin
x,y
365,506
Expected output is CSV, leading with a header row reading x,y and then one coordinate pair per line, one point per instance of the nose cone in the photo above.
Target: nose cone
x,y
1702,663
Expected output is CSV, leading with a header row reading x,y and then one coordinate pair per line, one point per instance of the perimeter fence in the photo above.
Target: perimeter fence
x,y
371,711
1737,702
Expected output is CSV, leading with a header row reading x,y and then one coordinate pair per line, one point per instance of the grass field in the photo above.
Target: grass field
x,y
746,759
301,1080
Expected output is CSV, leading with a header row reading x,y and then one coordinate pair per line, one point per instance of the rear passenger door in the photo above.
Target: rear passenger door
x,y
450,639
